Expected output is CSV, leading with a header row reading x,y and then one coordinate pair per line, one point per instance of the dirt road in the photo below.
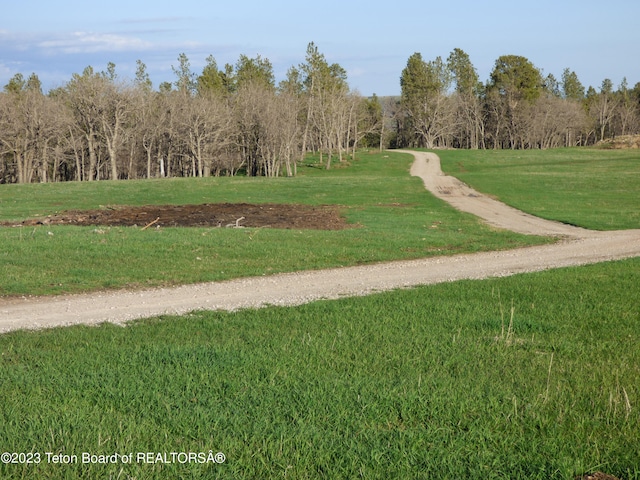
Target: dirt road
x,y
577,247
463,197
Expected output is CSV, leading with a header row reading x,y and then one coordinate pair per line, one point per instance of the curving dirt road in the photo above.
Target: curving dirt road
x,y
577,247
463,197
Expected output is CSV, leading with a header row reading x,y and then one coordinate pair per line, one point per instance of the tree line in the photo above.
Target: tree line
x,y
443,104
223,121
236,120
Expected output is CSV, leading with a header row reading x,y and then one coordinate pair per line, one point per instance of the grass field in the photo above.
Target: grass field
x,y
395,218
596,189
533,376
434,382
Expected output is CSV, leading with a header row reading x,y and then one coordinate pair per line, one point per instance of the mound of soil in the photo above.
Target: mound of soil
x,y
206,215
622,142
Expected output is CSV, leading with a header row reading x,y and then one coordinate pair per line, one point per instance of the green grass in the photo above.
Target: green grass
x,y
596,189
394,218
433,382
423,383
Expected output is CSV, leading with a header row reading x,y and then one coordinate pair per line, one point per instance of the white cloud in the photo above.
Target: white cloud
x,y
89,42
14,41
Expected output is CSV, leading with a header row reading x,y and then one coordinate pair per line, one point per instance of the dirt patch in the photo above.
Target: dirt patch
x,y
291,216
596,476
622,142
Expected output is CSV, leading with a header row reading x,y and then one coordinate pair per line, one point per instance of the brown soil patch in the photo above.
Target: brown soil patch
x,y
597,476
622,142
290,216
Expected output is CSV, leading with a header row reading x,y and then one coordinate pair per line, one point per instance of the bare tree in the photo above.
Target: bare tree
x,y
324,89
627,110
204,123
84,97
468,116
253,109
289,130
114,112
602,107
29,129
290,93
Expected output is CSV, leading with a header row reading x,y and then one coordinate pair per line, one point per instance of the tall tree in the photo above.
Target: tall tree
x,y
325,89
211,80
515,84
603,108
464,73
551,86
186,80
516,79
256,71
204,123
84,99
101,107
30,129
370,125
467,87
142,80
626,111
115,110
572,89
424,98
291,91
255,86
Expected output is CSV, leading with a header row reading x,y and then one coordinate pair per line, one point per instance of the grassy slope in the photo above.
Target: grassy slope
x,y
596,189
424,383
395,217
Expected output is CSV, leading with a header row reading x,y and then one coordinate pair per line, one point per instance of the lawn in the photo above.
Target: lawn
x,y
533,376
393,217
596,189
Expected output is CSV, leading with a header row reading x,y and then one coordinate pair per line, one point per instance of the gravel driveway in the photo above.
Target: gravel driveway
x,y
577,247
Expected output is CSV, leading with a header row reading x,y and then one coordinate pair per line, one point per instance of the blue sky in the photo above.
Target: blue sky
x,y
372,40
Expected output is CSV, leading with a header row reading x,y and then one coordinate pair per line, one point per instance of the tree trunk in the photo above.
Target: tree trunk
x,y
93,159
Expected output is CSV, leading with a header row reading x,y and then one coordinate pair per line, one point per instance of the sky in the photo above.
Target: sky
x,y
371,39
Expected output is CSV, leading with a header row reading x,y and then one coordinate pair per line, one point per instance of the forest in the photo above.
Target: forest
x,y
237,120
